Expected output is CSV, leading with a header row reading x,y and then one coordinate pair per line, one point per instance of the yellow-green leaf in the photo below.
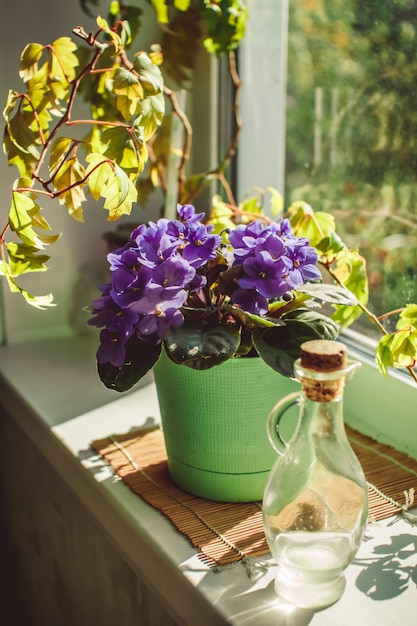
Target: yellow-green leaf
x,y
221,217
110,182
29,61
59,149
408,317
182,5
383,355
119,194
398,350
21,135
24,162
64,62
129,92
24,181
66,181
276,203
20,218
151,115
39,302
314,225
12,98
102,23
161,11
126,148
351,271
98,172
24,258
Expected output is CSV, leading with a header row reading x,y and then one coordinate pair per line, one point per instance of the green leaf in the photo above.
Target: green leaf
x,y
279,347
330,246
199,348
226,23
322,324
140,358
150,75
151,108
329,293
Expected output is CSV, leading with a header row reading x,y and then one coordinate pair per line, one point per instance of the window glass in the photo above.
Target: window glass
x,y
351,133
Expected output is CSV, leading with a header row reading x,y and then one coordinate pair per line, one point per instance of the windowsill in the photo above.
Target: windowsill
x,y
54,394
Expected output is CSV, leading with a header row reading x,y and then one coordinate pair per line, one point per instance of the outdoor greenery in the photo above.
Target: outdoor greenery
x,y
119,152
352,131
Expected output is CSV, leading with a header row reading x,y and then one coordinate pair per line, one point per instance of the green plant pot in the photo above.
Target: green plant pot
x,y
214,425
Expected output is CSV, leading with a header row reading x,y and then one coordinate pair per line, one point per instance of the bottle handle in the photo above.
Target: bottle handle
x,y
276,440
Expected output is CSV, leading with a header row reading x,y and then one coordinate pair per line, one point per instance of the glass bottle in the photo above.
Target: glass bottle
x,y
316,500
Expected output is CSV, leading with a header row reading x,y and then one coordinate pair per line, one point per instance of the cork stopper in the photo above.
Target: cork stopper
x,y
323,356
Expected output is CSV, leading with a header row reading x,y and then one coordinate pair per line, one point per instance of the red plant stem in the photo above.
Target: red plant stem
x,y
67,115
389,313
60,192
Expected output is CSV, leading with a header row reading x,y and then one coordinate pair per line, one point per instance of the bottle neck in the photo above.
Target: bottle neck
x,y
324,418
323,390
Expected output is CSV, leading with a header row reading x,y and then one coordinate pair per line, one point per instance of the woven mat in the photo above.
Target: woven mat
x,y
225,533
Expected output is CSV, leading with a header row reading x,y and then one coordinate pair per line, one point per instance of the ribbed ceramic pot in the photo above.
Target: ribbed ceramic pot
x,y
214,426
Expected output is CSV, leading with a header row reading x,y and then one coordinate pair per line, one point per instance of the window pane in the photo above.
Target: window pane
x,y
351,143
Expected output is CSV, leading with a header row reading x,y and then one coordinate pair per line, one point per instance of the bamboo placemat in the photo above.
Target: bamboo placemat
x,y
229,532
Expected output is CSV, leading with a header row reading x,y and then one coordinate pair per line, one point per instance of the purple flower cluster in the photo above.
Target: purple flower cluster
x,y
154,273
152,276
273,261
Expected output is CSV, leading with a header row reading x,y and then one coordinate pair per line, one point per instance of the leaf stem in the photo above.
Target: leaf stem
x,y
389,313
